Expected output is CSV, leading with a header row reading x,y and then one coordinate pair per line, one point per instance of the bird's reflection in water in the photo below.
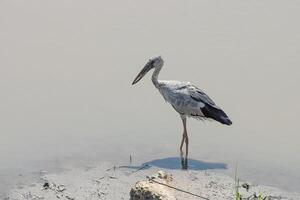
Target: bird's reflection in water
x,y
179,163
184,163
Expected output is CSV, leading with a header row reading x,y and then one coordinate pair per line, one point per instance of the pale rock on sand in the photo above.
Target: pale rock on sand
x,y
149,190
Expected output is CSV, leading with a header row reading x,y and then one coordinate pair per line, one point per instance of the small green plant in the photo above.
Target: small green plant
x,y
260,196
238,196
246,186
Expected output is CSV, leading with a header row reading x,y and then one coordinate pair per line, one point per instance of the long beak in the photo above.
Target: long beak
x,y
142,73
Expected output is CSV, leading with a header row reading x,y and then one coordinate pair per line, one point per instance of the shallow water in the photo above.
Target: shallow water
x,y
66,94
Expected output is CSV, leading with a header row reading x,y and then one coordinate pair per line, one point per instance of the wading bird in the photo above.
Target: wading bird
x,y
186,99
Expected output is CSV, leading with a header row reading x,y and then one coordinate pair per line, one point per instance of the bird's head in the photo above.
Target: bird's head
x,y
156,62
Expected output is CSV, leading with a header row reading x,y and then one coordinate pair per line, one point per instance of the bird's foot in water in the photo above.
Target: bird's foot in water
x,y
184,163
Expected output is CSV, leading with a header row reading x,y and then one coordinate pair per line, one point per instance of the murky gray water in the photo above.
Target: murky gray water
x,y
66,70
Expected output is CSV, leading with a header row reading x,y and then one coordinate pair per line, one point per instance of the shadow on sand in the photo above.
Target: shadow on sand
x,y
177,163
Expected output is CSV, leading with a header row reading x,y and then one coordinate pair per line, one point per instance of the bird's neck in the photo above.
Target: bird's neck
x,y
155,76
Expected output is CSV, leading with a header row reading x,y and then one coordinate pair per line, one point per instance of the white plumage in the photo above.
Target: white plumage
x,y
178,95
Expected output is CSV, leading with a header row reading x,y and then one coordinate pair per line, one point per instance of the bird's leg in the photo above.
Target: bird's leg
x,y
181,152
186,139
184,135
181,145
184,161
186,145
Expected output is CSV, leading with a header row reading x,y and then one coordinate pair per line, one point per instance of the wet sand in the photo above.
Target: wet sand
x,y
106,181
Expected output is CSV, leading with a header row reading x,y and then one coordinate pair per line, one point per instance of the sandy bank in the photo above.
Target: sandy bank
x,y
106,182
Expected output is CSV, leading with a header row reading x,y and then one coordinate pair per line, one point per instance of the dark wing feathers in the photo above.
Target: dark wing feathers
x,y
199,95
216,114
210,109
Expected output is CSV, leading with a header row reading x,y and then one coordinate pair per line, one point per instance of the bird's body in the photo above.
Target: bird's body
x,y
177,94
190,101
185,98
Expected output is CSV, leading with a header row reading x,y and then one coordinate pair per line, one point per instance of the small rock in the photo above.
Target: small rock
x,y
70,198
163,175
61,188
46,186
148,190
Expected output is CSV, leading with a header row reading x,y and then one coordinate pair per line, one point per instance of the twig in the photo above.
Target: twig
x,y
178,189
130,160
114,168
112,177
141,168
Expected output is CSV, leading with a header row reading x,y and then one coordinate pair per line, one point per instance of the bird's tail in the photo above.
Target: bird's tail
x,y
225,120
216,114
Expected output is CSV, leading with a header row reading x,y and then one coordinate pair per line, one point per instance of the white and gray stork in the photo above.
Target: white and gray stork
x,y
186,99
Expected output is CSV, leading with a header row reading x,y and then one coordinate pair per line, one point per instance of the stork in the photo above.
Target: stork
x,y
187,99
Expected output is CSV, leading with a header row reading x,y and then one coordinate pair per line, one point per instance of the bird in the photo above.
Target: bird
x,y
186,99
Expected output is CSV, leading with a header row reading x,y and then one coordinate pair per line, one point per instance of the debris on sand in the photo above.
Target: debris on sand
x,y
46,186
